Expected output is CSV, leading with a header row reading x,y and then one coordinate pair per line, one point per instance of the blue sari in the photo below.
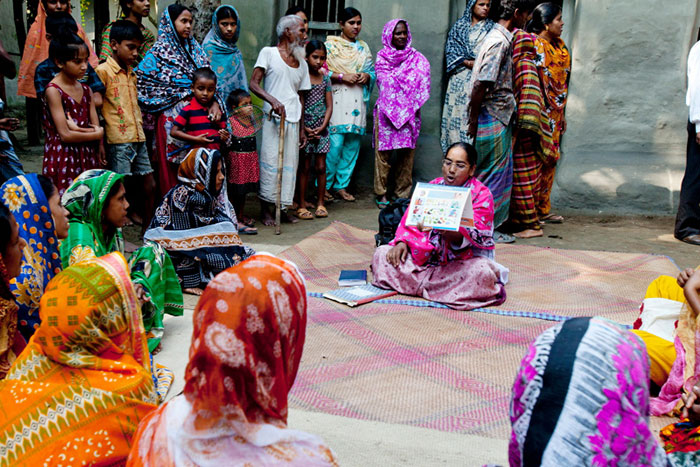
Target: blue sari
x,y
26,200
225,57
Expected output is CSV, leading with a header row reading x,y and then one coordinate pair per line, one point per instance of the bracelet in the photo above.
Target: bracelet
x,y
340,76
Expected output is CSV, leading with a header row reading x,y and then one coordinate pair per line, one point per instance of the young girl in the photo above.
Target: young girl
x,y
318,107
73,134
242,157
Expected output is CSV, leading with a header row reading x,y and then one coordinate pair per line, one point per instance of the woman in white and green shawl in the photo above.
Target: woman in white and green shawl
x,y
97,206
461,48
351,69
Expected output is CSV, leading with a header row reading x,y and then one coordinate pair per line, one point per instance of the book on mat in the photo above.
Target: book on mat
x,y
441,207
358,295
351,277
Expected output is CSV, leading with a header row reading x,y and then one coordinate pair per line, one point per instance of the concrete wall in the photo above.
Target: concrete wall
x,y
624,151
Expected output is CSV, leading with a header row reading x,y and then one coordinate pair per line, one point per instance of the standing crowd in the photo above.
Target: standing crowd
x,y
161,131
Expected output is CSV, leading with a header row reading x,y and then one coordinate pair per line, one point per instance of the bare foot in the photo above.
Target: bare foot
x,y
158,348
286,217
528,233
194,291
267,219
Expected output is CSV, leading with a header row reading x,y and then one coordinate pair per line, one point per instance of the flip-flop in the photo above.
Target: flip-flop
x,y
304,214
321,211
552,219
381,204
500,237
247,230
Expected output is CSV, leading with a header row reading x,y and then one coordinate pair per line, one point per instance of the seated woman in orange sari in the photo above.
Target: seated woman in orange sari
x,y
453,268
249,332
83,383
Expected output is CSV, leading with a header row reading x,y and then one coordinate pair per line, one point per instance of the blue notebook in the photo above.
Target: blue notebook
x,y
358,295
350,278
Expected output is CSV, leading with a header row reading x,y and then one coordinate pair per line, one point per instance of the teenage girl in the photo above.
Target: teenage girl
x,y
318,107
73,134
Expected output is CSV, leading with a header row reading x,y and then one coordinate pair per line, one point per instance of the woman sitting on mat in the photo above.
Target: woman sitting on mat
x,y
196,223
84,381
97,207
581,398
667,324
247,343
453,268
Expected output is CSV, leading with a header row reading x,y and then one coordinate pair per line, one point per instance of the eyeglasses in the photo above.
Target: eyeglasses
x,y
459,165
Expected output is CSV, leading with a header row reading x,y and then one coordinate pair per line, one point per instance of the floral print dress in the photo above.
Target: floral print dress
x,y
63,162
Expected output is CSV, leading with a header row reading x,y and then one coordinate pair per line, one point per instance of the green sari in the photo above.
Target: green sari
x,y
150,265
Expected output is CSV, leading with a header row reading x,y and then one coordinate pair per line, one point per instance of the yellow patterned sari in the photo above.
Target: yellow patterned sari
x,y
76,394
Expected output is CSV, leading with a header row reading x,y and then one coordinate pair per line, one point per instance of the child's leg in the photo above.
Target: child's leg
x,y
145,183
320,165
302,183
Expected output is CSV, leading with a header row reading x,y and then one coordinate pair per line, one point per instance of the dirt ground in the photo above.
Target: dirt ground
x,y
606,232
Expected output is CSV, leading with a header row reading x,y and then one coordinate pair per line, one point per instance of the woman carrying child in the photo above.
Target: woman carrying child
x,y
165,86
73,131
318,107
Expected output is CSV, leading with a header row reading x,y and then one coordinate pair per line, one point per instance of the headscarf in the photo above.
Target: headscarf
x,y
225,57
531,114
85,201
165,73
27,201
403,77
431,248
581,397
151,267
197,175
247,342
463,39
344,56
196,225
36,50
84,381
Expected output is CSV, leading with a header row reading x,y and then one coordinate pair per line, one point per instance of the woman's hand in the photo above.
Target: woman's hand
x,y
684,276
563,126
397,254
362,78
691,410
469,64
215,113
141,294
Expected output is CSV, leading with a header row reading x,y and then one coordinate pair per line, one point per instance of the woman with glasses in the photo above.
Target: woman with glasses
x,y
456,269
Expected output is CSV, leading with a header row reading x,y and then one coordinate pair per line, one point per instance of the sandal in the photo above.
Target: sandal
x,y
328,197
247,230
321,211
303,213
552,219
345,195
381,204
500,237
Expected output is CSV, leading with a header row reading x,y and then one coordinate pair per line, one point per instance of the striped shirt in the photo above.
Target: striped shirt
x,y
194,120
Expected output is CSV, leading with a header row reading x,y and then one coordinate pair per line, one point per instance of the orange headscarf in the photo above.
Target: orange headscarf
x,y
84,381
36,50
249,331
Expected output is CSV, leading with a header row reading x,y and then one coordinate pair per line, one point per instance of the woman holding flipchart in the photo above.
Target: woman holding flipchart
x,y
456,268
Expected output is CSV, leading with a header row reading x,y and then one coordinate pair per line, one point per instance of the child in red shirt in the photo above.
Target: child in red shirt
x,y
193,124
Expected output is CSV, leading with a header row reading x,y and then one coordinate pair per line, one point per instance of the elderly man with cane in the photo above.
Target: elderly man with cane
x,y
285,73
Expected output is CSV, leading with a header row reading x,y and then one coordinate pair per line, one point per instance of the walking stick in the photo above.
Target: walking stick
x,y
280,169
